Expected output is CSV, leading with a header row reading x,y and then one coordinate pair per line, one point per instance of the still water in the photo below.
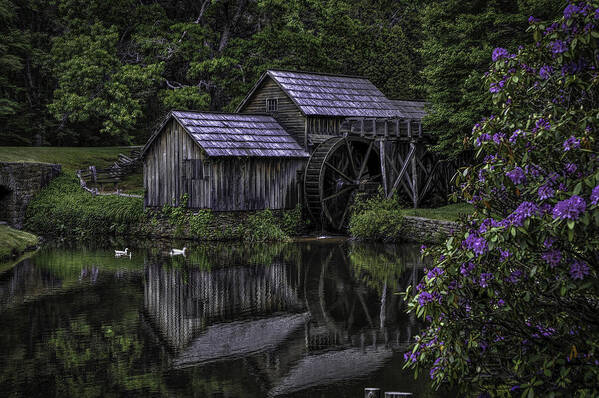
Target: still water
x,y
306,319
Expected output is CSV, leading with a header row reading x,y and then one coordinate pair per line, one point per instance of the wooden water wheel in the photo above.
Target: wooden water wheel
x,y
339,168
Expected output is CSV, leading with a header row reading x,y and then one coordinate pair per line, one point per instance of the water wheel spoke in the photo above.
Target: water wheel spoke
x,y
365,161
336,170
337,194
342,220
351,156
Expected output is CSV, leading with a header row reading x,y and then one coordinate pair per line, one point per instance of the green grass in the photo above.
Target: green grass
x,y
75,158
64,209
450,212
71,158
13,241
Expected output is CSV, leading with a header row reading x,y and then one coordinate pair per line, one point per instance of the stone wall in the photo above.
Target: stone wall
x,y
19,182
426,230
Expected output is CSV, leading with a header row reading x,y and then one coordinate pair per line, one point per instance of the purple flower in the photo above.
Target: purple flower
x,y
466,269
434,272
475,243
545,192
569,208
571,10
486,224
504,254
571,143
522,212
499,53
532,19
498,137
570,168
485,278
545,72
482,138
552,257
549,243
515,135
517,175
579,269
558,47
515,276
542,124
494,88
595,195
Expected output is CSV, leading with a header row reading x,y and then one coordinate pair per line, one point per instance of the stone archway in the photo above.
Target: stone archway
x,y
19,182
6,203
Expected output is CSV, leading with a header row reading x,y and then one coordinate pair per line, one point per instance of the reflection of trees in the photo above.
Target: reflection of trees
x,y
88,350
383,265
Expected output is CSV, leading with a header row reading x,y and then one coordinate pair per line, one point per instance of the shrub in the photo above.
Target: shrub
x,y
199,224
376,218
293,221
63,209
262,227
511,304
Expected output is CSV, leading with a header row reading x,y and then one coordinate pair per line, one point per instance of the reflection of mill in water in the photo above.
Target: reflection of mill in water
x,y
305,323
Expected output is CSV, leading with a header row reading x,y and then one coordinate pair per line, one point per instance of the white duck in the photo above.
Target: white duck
x,y
178,252
119,253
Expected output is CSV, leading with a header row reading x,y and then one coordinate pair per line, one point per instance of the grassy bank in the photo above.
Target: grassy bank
x,y
382,219
64,209
452,212
75,158
13,242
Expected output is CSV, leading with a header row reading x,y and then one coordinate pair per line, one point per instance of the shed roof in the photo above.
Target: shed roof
x,y
319,94
412,109
226,134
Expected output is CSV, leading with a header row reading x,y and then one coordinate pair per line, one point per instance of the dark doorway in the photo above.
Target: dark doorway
x,y
6,199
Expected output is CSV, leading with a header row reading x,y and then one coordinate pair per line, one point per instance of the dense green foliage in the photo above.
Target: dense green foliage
x,y
376,218
262,227
99,72
64,209
511,303
458,37
14,242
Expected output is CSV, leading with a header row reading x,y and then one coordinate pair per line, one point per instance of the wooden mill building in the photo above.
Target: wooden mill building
x,y
297,137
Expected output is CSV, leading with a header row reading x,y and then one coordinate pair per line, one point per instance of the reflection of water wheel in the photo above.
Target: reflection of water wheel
x,y
333,297
337,169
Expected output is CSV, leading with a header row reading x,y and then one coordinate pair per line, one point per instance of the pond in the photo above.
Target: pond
x,y
318,318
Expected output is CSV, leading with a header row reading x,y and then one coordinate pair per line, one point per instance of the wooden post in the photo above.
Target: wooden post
x,y
383,166
306,133
415,177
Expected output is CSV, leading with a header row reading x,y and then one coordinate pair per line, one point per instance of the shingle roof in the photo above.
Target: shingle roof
x,y
332,95
225,134
412,109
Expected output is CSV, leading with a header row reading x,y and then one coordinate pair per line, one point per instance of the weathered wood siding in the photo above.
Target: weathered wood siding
x,y
167,176
254,183
289,116
223,183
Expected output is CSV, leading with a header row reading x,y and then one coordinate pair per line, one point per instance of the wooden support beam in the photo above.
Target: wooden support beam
x,y
306,133
397,127
414,162
403,170
383,165
403,183
410,128
362,127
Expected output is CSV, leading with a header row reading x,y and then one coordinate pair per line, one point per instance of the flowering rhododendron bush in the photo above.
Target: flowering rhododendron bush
x,y
511,307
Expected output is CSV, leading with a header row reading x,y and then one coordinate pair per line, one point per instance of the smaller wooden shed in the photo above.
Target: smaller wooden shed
x,y
223,162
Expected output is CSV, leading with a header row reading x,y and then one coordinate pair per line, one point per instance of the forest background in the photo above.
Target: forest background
x,y
105,72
